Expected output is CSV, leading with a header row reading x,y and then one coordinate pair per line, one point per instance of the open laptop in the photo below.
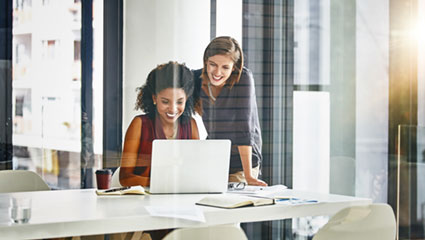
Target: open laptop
x,y
190,166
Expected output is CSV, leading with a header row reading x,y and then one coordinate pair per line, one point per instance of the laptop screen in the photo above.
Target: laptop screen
x,y
190,166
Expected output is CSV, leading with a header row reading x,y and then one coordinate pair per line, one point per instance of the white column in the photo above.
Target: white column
x,y
156,32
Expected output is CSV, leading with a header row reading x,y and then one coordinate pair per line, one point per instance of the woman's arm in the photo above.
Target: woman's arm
x,y
249,126
245,153
195,132
129,156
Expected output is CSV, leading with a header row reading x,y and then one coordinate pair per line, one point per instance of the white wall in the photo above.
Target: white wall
x,y
229,19
156,32
311,141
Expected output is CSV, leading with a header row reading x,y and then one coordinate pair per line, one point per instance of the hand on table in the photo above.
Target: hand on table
x,y
255,182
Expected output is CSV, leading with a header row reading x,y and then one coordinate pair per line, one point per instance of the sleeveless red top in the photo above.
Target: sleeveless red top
x,y
151,130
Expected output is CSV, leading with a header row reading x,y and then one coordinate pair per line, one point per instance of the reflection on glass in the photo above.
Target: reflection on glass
x,y
411,181
47,88
20,209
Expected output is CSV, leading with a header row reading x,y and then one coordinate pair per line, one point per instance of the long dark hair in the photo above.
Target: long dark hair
x,y
167,75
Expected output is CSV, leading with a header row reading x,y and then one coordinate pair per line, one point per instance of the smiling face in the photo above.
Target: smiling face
x,y
170,104
219,69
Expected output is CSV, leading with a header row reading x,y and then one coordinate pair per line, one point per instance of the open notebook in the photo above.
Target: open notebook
x,y
234,201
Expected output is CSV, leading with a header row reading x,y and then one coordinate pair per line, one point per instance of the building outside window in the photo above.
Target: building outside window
x,y
47,89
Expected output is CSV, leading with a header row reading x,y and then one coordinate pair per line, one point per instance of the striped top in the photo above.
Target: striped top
x,y
234,116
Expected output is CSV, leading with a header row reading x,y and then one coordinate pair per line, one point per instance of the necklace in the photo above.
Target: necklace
x,y
210,92
174,135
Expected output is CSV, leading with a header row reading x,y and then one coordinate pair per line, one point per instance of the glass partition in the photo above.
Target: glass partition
x,y
334,80
411,182
47,89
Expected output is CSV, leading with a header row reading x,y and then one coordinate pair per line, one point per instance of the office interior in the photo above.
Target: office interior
x,y
339,85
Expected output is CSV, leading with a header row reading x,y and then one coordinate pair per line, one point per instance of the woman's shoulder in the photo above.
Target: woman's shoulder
x,y
246,70
246,76
142,121
142,118
137,119
134,127
197,73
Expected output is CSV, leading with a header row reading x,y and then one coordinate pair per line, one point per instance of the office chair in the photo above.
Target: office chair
x,y
115,179
21,181
375,221
208,233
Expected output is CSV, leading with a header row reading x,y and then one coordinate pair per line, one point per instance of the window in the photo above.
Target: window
x,y
76,71
47,89
50,49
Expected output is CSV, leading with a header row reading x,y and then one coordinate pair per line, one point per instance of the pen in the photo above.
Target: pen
x,y
116,189
296,200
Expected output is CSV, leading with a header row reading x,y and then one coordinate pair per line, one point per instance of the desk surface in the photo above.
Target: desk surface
x,y
81,212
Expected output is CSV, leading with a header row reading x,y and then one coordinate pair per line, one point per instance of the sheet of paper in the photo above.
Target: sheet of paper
x,y
269,191
192,213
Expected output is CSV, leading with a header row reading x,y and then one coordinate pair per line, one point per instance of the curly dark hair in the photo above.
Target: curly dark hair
x,y
167,75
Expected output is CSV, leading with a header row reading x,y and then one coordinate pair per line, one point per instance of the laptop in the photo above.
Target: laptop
x,y
190,166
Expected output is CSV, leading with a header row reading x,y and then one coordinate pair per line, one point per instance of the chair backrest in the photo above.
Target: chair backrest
x,y
208,233
375,221
115,179
21,181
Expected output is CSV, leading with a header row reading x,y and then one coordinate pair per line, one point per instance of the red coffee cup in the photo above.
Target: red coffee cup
x,y
103,178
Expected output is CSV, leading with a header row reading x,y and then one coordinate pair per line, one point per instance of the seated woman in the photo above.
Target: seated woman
x,y
167,103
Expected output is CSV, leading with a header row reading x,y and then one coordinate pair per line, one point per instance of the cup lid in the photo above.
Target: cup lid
x,y
104,171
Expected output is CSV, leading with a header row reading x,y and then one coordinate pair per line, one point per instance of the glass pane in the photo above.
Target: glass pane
x,y
332,82
371,48
411,181
358,107
47,89
312,42
342,49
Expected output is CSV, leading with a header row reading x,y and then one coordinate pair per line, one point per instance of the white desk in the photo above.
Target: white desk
x,y
81,212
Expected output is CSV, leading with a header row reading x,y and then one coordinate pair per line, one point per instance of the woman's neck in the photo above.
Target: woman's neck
x,y
169,129
211,89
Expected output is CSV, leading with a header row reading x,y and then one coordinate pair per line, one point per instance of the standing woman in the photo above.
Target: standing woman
x,y
228,107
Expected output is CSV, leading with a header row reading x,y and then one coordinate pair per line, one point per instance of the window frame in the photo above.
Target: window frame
x,y
6,150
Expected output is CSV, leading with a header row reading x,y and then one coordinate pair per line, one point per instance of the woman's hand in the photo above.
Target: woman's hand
x,y
245,153
255,182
